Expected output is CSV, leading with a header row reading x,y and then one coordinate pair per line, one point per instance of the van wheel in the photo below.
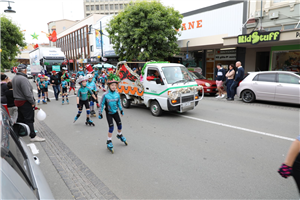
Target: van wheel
x,y
248,96
125,102
155,109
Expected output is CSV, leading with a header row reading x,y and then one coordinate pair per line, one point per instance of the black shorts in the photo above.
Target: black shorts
x,y
110,118
91,97
44,90
86,103
64,90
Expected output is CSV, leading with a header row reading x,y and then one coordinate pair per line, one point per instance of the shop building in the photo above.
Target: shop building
x,y
202,33
272,41
76,42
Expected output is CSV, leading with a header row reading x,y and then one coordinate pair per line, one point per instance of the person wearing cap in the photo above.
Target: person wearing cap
x,y
80,72
55,80
134,70
4,88
24,100
111,99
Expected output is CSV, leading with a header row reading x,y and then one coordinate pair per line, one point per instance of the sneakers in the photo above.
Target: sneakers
x,y
44,102
223,95
63,101
217,97
39,101
37,139
75,93
48,99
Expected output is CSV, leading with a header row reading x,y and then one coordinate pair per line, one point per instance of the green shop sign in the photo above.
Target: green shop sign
x,y
257,37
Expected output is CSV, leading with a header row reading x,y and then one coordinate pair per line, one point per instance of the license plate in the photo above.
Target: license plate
x,y
186,104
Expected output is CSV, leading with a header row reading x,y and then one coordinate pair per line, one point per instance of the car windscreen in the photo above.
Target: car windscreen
x,y
177,74
198,75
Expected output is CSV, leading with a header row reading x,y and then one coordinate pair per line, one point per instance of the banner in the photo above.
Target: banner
x,y
56,68
98,39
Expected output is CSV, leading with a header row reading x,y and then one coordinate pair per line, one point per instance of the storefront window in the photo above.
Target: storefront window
x,y
286,60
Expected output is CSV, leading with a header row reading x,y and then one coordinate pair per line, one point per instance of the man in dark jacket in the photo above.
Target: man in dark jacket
x,y
239,75
24,100
55,80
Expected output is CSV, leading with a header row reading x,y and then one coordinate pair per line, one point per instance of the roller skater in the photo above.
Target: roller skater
x,y
112,101
45,84
92,86
82,100
80,72
103,80
64,89
41,88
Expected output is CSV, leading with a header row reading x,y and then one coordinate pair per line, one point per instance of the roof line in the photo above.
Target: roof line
x,y
213,7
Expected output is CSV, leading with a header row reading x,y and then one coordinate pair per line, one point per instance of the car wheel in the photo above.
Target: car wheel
x,y
155,109
248,96
125,102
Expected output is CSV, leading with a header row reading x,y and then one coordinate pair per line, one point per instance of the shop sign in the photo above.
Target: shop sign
x,y
257,37
191,25
225,57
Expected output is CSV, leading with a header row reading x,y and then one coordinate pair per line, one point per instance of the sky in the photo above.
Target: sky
x,y
33,15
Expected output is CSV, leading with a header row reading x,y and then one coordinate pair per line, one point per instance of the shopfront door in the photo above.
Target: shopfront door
x,y
262,61
210,70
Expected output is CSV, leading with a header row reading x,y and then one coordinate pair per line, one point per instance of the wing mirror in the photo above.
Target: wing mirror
x,y
21,129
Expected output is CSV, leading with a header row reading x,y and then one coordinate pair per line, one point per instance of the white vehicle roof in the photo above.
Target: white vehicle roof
x,y
165,65
268,72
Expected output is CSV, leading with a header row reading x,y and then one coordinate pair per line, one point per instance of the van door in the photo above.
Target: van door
x,y
264,85
288,88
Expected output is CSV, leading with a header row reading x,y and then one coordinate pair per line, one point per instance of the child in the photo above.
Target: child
x,y
64,90
41,88
72,86
111,99
80,72
13,110
45,84
37,82
82,99
92,86
103,79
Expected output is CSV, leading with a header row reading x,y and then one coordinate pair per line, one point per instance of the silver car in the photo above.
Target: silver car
x,y
21,177
280,86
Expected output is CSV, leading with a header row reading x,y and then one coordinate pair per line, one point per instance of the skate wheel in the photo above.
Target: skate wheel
x,y
86,123
93,124
126,143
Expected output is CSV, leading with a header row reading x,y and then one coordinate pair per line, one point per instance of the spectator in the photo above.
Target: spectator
x,y
239,75
219,80
13,110
230,76
134,70
55,80
139,71
4,88
24,100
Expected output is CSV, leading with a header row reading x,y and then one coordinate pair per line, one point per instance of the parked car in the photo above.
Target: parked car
x,y
209,86
29,75
21,177
280,86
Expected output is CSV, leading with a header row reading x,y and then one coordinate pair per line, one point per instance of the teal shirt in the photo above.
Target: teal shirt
x,y
83,93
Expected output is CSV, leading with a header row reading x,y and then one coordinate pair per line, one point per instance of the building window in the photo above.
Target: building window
x,y
121,6
92,0
278,1
106,7
97,7
116,7
87,14
92,7
275,28
289,27
87,1
111,7
87,8
106,0
285,60
102,7
97,0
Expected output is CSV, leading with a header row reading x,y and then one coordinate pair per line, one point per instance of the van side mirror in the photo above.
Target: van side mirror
x,y
21,129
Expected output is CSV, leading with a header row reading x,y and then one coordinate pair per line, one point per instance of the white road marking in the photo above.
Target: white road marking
x,y
239,128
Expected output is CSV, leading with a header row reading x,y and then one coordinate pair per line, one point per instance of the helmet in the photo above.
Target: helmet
x,y
80,68
112,78
64,68
39,75
81,78
89,76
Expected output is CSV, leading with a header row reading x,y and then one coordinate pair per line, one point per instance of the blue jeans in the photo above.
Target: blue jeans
x,y
233,87
228,85
56,89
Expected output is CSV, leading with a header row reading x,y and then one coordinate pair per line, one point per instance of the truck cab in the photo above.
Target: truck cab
x,y
162,87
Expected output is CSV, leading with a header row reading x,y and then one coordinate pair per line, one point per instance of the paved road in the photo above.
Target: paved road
x,y
220,150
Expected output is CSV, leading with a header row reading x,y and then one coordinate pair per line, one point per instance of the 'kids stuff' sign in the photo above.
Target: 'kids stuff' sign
x,y
257,37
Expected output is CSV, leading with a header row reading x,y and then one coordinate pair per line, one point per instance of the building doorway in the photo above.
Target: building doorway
x,y
262,61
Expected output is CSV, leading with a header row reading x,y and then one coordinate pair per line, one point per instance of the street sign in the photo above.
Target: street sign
x,y
187,56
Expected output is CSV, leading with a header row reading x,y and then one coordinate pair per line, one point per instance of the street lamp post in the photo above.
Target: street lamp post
x,y
9,10
101,36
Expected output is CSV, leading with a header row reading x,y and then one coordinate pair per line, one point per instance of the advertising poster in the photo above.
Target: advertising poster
x,y
98,39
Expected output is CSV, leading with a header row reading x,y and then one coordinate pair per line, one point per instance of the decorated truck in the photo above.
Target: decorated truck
x,y
163,86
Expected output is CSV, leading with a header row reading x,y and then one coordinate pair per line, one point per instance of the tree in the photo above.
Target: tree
x,y
145,31
12,39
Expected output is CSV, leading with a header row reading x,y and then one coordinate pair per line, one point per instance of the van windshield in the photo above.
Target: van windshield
x,y
177,74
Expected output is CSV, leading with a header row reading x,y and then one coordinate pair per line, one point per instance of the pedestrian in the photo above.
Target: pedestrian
x,y
13,110
24,100
291,165
55,82
4,88
112,102
134,70
219,80
83,100
230,76
92,86
139,71
72,86
239,75
45,84
64,90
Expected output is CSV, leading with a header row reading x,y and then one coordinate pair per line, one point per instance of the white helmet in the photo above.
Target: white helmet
x,y
81,78
64,68
89,76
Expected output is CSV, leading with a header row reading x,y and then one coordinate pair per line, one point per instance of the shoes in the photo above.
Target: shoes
x,y
217,97
44,102
230,99
63,101
223,95
56,99
68,101
37,139
39,101
74,93
48,99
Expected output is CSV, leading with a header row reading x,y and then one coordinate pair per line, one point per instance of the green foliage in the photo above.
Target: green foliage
x,y
11,40
145,31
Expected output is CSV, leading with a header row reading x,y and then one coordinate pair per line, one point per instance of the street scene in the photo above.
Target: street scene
x,y
151,100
